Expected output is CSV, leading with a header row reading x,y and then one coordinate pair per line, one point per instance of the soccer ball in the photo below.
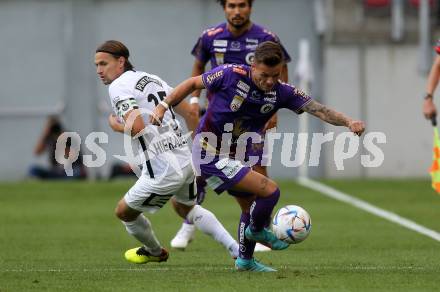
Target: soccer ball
x,y
291,224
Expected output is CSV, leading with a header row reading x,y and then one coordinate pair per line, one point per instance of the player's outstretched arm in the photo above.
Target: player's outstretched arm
x,y
429,109
334,117
177,95
191,117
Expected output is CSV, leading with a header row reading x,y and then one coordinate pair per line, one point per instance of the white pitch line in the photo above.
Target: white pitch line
x,y
340,196
206,269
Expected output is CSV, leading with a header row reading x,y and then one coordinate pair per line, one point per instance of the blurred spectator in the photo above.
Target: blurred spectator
x,y
121,170
47,143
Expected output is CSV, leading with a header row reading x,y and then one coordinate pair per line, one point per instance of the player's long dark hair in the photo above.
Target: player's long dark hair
x,y
223,2
116,49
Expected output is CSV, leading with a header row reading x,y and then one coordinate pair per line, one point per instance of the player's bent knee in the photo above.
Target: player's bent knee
x,y
125,213
181,209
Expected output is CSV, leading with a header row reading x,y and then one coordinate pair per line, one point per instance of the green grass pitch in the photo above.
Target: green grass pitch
x,y
63,236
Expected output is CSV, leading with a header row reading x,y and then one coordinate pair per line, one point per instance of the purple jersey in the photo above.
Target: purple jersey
x,y
237,100
219,46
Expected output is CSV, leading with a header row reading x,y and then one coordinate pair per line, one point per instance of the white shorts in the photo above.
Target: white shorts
x,y
149,195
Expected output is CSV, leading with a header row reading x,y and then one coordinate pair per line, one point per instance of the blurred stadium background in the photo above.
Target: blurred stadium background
x,y
369,59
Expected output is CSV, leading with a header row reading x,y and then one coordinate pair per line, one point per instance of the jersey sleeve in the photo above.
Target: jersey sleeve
x,y
274,38
294,99
122,99
214,79
201,49
437,47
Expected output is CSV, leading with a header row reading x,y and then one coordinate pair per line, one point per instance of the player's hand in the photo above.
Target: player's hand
x,y
357,127
114,122
156,116
429,109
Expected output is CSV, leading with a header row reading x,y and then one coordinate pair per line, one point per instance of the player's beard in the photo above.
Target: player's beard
x,y
239,26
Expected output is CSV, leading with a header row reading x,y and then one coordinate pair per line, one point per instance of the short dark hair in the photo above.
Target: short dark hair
x,y
269,53
223,2
116,49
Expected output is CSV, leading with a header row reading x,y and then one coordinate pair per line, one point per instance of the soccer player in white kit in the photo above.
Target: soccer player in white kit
x,y
167,171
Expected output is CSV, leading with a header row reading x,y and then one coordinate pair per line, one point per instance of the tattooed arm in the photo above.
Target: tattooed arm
x,y
334,117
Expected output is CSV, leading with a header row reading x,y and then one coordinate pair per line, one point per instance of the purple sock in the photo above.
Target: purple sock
x,y
201,192
261,210
246,247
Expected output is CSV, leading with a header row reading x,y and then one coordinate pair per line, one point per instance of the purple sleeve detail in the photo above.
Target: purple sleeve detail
x,y
214,79
201,50
295,99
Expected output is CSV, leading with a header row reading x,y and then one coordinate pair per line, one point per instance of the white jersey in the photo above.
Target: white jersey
x,y
164,149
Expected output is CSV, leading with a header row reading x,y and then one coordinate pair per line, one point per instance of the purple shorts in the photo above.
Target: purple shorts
x,y
220,173
255,149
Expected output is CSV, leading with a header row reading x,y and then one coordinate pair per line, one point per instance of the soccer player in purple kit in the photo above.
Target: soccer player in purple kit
x,y
231,42
243,99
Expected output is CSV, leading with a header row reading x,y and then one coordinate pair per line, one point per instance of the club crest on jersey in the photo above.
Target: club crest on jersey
x,y
266,108
211,77
243,86
250,58
125,106
236,103
140,85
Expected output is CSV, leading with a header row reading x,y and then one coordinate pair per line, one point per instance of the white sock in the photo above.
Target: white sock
x,y
142,231
206,221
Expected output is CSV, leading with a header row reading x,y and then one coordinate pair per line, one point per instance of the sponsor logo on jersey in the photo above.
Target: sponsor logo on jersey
x,y
220,50
219,58
220,43
140,85
239,70
229,167
255,95
214,31
211,77
235,46
250,58
241,93
251,47
243,86
252,41
266,108
236,103
270,99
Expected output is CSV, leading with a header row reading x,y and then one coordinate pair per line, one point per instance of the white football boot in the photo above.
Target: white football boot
x,y
184,236
261,248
